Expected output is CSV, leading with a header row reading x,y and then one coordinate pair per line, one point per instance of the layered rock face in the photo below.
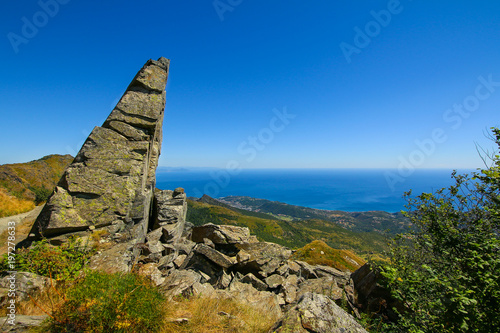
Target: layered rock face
x,y
112,179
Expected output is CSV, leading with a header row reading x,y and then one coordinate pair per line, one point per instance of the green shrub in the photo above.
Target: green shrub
x,y
42,194
102,302
446,271
59,262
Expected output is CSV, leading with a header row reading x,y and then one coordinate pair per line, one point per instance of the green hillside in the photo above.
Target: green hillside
x,y
294,234
32,181
378,221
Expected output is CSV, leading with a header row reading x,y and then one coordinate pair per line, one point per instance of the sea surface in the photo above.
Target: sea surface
x,y
351,190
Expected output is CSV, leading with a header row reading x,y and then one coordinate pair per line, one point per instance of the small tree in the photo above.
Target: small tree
x,y
446,270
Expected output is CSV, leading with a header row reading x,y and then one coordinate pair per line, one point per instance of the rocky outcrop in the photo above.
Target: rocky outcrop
x,y
319,314
111,181
225,261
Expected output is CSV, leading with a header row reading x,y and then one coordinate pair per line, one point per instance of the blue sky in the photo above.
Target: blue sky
x,y
282,84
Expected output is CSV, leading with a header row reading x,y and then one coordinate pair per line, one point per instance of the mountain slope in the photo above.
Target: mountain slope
x,y
294,234
32,180
377,221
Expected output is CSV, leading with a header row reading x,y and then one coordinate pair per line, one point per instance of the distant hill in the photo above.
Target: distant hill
x,y
377,221
319,253
33,180
294,234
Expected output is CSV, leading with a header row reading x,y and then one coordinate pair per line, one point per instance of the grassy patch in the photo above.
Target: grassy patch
x,y
10,205
319,253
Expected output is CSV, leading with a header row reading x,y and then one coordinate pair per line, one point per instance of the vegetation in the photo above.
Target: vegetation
x,y
319,253
42,194
101,302
32,181
63,263
446,271
294,234
10,205
378,221
217,315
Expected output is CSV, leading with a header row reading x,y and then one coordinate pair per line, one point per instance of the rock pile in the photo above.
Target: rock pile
x,y
226,261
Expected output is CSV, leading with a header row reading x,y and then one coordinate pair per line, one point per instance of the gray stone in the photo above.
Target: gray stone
x,y
113,175
289,289
221,234
318,314
179,260
274,281
22,323
215,256
306,270
254,281
265,258
326,286
152,272
25,285
179,282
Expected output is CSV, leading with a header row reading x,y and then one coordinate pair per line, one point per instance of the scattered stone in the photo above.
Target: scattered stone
x,y
25,284
214,255
22,323
274,281
151,270
326,286
318,314
255,282
179,260
179,282
221,234
306,270
265,258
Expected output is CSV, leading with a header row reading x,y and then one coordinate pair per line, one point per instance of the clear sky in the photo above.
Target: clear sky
x,y
264,84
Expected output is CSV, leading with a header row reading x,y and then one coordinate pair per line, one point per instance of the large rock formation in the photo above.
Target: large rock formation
x,y
111,182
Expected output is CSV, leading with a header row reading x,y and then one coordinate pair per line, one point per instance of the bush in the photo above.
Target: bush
x,y
102,302
59,262
447,269
42,194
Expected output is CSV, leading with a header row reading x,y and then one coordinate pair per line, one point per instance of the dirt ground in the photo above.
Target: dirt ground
x,y
24,222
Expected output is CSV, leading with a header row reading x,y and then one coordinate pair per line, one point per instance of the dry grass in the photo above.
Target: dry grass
x,y
203,314
214,315
10,205
319,253
40,304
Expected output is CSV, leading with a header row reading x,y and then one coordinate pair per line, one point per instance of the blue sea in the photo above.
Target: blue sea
x,y
351,190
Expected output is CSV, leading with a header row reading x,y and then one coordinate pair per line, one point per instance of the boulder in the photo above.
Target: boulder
x,y
254,281
25,284
315,313
326,286
170,209
21,323
180,282
306,270
215,256
289,289
369,296
152,272
274,281
264,258
221,234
